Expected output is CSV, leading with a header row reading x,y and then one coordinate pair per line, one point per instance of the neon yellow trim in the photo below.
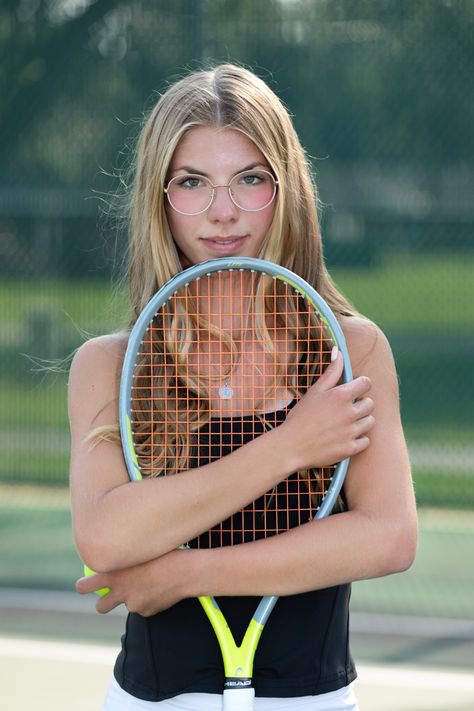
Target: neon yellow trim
x,y
289,281
303,293
131,448
238,661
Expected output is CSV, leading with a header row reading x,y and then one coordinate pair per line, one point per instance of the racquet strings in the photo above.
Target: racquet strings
x,y
222,361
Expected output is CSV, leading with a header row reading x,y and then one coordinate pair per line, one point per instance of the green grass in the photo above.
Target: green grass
x,y
34,401
444,490
446,432
35,467
75,304
403,291
409,291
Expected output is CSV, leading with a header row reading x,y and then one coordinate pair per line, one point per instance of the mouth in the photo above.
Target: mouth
x,y
219,243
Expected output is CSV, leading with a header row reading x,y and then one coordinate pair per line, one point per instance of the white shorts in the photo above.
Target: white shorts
x,y
341,700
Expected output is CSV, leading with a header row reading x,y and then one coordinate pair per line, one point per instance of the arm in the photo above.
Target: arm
x,y
119,523
377,536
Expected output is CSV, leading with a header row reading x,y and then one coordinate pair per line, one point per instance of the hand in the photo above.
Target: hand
x,y
147,588
331,421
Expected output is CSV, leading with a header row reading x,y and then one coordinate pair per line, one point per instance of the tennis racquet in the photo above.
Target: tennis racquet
x,y
218,356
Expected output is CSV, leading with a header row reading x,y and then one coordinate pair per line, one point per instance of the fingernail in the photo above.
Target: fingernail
x,y
334,352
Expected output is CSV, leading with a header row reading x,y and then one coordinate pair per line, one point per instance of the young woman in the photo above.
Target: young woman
x,y
217,130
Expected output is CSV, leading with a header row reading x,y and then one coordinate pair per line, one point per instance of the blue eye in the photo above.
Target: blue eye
x,y
190,182
252,179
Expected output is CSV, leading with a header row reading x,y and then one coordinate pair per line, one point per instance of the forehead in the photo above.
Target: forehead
x,y
213,148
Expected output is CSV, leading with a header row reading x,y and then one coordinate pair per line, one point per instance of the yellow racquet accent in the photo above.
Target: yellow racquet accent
x,y
238,660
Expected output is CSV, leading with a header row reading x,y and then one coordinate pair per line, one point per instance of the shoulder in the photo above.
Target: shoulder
x,y
368,347
100,352
95,373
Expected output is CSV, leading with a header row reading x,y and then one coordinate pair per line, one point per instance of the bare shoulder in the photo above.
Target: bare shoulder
x,y
103,351
368,347
94,378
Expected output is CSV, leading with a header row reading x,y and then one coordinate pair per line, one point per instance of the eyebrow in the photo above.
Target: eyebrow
x,y
195,171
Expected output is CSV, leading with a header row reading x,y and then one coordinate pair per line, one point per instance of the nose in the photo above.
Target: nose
x,y
222,208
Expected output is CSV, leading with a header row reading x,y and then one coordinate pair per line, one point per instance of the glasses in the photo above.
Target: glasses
x,y
251,190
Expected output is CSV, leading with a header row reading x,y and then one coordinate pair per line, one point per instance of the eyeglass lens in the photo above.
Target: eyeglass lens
x,y
192,194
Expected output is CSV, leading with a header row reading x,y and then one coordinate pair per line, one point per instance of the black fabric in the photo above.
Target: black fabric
x,y
304,648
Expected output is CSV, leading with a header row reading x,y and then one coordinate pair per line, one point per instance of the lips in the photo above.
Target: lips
x,y
223,240
221,243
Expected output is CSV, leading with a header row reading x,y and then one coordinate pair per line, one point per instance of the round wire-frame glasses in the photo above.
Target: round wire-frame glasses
x,y
181,192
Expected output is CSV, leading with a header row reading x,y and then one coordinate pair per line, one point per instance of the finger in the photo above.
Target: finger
x,y
85,585
359,445
357,388
107,603
91,583
364,406
363,426
332,375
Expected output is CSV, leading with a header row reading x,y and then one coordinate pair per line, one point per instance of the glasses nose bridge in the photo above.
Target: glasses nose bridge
x,y
214,189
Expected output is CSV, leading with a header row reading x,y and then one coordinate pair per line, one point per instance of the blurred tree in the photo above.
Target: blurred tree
x,y
44,58
367,80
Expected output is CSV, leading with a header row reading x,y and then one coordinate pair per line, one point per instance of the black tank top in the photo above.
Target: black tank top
x,y
304,648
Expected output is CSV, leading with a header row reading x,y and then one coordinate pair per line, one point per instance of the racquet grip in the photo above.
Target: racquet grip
x,y
238,699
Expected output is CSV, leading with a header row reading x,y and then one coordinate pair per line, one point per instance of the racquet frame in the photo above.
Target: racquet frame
x,y
238,659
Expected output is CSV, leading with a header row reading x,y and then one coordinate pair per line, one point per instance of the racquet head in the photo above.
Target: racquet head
x,y
219,356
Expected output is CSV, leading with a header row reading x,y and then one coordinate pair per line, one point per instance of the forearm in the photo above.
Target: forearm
x,y
342,548
137,522
320,554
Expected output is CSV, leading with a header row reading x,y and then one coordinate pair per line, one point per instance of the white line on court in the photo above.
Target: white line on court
x,y
95,654
415,678
52,651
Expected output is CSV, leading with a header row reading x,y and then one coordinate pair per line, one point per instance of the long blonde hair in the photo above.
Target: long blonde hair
x,y
227,96
233,97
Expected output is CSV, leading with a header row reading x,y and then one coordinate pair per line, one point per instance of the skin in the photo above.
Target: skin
x,y
224,229
136,553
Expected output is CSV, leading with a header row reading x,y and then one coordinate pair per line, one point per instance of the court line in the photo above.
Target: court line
x,y
53,651
415,678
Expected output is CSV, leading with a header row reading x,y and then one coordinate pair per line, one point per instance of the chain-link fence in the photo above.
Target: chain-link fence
x,y
381,94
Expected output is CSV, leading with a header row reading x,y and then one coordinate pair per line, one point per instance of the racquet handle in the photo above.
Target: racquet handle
x,y
238,699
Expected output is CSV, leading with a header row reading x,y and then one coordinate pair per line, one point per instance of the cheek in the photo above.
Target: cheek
x,y
183,230
179,227
264,220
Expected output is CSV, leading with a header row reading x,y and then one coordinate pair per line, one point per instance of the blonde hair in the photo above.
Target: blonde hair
x,y
227,96
233,97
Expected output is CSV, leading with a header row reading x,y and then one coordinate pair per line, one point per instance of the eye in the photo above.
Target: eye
x,y
254,178
251,179
190,181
